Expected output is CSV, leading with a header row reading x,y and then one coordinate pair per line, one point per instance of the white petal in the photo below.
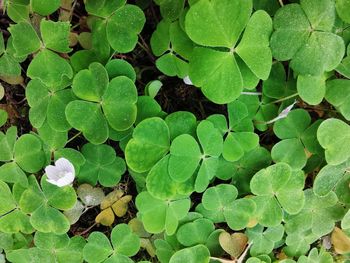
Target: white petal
x,y
65,165
187,80
67,179
52,172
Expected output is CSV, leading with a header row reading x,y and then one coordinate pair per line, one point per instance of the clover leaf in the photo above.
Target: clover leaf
x,y
123,244
101,165
342,6
319,215
12,219
51,247
277,189
199,253
48,104
315,256
224,23
149,144
105,102
43,7
44,204
158,215
337,95
9,63
333,178
55,35
333,136
300,35
264,241
25,39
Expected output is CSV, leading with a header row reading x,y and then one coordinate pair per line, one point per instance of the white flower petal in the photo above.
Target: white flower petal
x,y
52,172
67,179
65,165
187,80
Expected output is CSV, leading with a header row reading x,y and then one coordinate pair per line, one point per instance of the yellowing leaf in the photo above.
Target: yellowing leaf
x,y
120,207
340,241
106,217
233,244
111,198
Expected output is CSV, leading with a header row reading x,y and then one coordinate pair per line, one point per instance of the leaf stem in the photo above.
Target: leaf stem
x,y
281,2
251,93
286,98
75,136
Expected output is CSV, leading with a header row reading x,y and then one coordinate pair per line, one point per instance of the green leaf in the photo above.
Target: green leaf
x,y
124,240
342,10
50,68
290,151
333,178
30,161
255,44
3,117
119,103
224,22
239,214
101,165
318,215
338,95
104,8
333,136
311,89
172,66
90,84
149,144
264,241
277,181
196,232
45,8
181,122
185,156
293,125
196,254
123,28
25,39
55,35
158,215
52,138
94,128
217,74
219,197
119,67
160,40
98,248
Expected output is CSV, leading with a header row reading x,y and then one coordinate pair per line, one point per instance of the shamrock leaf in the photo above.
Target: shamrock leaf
x,y
304,37
332,134
277,189
149,144
158,215
194,254
44,204
43,7
224,23
101,165
319,215
48,104
123,244
264,241
333,178
12,219
337,95
9,63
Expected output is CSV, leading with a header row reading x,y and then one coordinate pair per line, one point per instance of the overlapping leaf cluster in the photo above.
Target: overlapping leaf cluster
x,y
254,182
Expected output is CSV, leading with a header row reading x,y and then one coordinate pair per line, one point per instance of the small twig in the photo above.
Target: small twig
x,y
281,2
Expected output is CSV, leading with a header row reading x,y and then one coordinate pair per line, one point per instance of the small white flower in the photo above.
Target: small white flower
x,y
60,174
187,80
